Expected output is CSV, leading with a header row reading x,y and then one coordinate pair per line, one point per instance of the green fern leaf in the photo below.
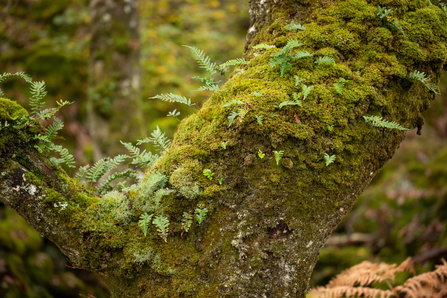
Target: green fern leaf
x,y
339,85
297,80
174,98
162,224
278,156
325,60
329,159
203,60
290,103
106,187
144,221
7,75
421,77
378,121
259,119
306,90
303,54
294,26
264,46
38,93
231,118
233,62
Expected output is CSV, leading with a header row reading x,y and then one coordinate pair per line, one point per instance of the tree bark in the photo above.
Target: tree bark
x,y
114,106
268,220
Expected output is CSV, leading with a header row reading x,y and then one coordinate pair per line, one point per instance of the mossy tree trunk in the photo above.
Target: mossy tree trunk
x,y
267,220
114,107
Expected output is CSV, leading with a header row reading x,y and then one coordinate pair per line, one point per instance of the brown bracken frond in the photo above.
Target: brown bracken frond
x,y
352,282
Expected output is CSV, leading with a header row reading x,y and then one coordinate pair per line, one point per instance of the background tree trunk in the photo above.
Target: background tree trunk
x,y
268,220
114,108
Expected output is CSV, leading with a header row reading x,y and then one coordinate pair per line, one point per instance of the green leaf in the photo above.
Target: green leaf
x,y
306,90
329,159
278,156
378,121
174,98
259,119
294,26
232,62
200,214
231,118
290,103
264,46
162,224
325,59
260,154
144,221
297,80
203,60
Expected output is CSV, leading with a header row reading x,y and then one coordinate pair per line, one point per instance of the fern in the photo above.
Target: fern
x,y
257,93
339,85
325,60
186,222
234,102
174,98
65,156
233,62
201,214
203,60
51,131
106,187
7,75
38,92
103,166
329,159
294,26
290,103
303,54
144,222
160,140
259,119
290,45
162,224
297,80
264,46
49,113
282,57
231,118
278,156
421,77
143,159
378,121
306,90
382,12
174,114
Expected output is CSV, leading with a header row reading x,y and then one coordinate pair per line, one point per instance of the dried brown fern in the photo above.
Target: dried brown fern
x,y
352,282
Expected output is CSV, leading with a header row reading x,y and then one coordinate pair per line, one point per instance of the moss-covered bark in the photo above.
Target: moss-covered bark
x,y
266,222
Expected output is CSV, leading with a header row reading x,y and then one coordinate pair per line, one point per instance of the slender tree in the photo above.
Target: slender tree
x,y
277,157
114,107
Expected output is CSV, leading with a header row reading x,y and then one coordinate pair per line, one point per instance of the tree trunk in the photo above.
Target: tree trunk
x,y
114,106
268,219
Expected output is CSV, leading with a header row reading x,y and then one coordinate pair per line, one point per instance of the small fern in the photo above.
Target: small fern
x,y
174,98
142,159
383,12
257,93
186,222
233,62
145,220
290,103
306,90
159,139
209,84
421,77
294,26
264,46
106,187
339,85
203,60
259,119
329,159
231,118
378,121
162,224
303,54
278,156
297,80
325,60
102,166
234,102
201,214
6,75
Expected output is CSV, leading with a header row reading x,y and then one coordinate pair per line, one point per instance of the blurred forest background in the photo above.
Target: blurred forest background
x,y
110,64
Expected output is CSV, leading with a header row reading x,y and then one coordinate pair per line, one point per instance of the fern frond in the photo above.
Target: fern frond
x,y
290,103
278,156
329,159
103,166
144,222
160,141
38,92
233,62
303,54
378,121
162,224
421,77
143,159
234,102
106,187
82,173
306,90
297,80
294,26
325,59
382,12
209,84
290,45
339,85
264,46
49,113
259,119
170,97
65,156
231,118
7,75
203,60
52,130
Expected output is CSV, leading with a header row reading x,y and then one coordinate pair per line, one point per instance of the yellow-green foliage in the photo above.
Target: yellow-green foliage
x,y
119,206
182,180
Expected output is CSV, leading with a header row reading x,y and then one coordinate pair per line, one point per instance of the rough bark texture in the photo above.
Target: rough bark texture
x,y
114,75
266,222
